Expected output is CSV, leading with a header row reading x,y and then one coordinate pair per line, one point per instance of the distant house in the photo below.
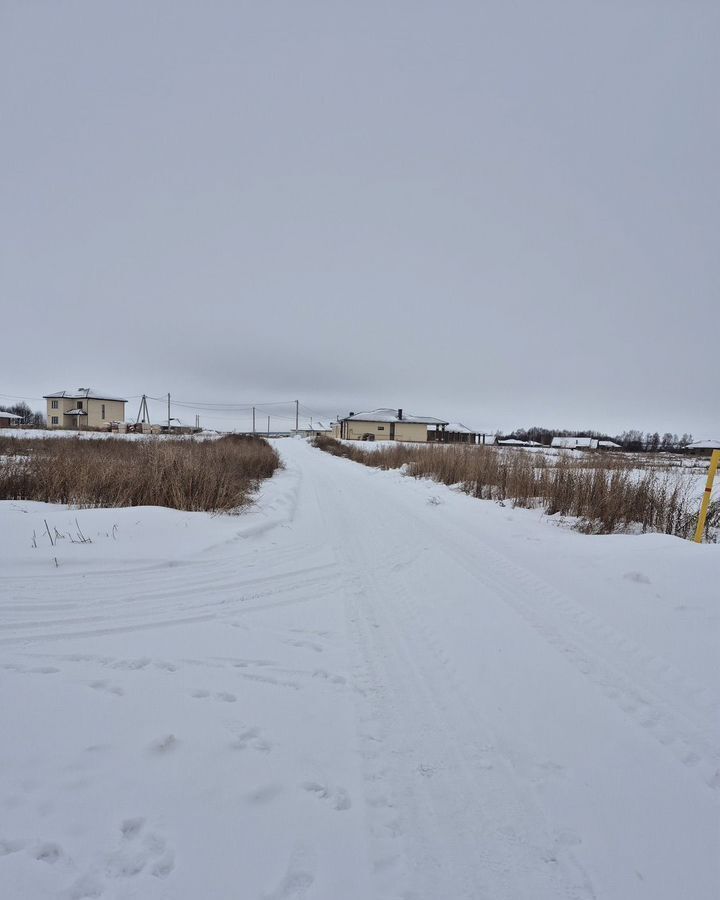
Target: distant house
x,y
387,425
700,448
575,443
9,420
83,408
514,442
452,433
457,433
314,430
608,445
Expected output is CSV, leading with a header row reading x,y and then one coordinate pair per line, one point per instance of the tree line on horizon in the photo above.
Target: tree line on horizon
x,y
632,440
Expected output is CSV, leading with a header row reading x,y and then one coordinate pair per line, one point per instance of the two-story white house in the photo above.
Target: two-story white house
x,y
83,408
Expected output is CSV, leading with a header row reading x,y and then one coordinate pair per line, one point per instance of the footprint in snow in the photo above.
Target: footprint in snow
x,y
251,737
132,664
164,744
299,876
226,697
107,688
637,577
223,696
139,852
48,853
309,645
131,828
339,797
264,794
328,676
87,886
8,846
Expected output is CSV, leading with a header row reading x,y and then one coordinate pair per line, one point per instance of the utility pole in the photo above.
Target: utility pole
x,y
143,415
168,412
268,426
297,415
253,420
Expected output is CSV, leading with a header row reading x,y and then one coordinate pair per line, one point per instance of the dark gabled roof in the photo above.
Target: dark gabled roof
x,y
391,415
82,394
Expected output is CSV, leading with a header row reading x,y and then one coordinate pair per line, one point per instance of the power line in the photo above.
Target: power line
x,y
209,404
16,397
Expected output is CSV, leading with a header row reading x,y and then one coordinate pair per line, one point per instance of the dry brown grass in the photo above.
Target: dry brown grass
x,y
215,476
605,494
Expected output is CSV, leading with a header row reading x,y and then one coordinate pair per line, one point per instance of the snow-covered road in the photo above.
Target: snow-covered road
x,y
367,687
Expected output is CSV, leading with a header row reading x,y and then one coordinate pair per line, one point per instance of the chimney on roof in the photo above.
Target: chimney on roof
x,y
400,414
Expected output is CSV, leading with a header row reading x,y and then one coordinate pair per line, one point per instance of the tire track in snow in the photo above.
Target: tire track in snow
x,y
679,726
441,816
161,616
650,691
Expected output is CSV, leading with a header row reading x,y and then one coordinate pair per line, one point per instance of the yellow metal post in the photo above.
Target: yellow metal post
x,y
714,460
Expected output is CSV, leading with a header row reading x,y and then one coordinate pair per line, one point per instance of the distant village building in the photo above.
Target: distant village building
x,y
387,425
452,433
699,448
314,430
515,442
575,443
9,420
83,408
608,445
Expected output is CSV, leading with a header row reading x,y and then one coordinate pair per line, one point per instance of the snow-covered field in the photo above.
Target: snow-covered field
x,y
364,687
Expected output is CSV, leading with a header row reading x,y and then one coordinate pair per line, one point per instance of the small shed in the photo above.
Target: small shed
x,y
575,443
9,420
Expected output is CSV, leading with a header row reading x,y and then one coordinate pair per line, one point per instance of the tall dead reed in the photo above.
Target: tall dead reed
x,y
216,476
605,494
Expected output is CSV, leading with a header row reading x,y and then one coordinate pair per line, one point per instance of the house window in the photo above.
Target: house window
x,y
54,420
79,406
103,412
381,428
54,404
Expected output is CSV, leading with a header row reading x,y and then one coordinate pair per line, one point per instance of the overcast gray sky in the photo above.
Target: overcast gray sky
x,y
499,212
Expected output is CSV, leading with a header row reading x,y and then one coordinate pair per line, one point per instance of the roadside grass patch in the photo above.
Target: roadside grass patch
x,y
604,494
210,476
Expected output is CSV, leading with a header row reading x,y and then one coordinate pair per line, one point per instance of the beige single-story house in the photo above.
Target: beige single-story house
x,y
386,425
83,408
9,420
